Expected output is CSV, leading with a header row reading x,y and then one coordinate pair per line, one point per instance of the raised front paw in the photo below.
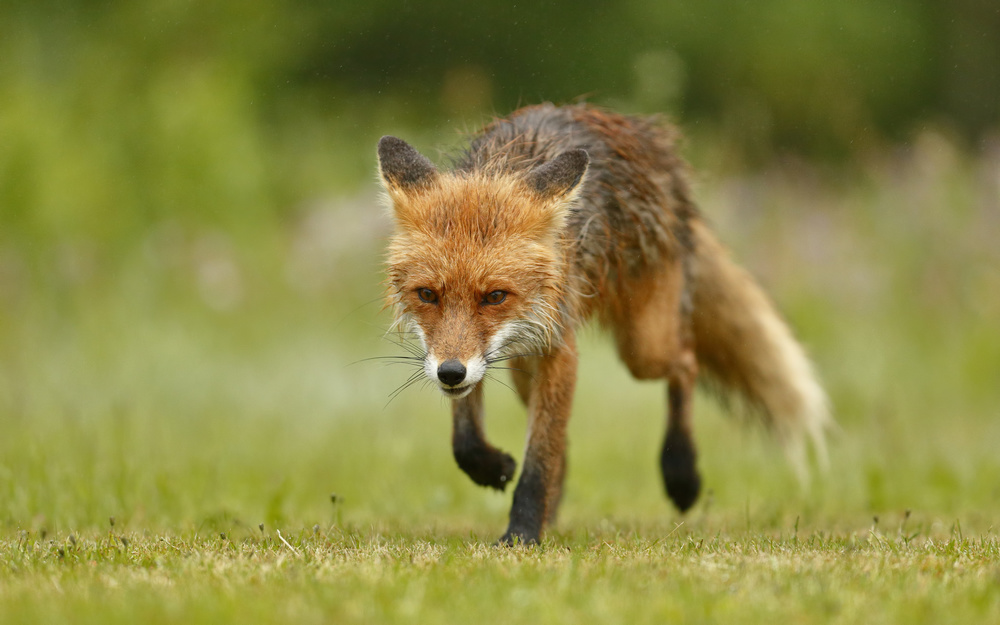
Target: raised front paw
x,y
487,466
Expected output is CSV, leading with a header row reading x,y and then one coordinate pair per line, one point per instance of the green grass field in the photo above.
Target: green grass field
x,y
186,434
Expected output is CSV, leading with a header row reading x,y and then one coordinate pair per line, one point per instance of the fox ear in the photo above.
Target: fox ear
x,y
560,175
401,166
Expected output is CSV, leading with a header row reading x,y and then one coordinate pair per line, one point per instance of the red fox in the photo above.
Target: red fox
x,y
553,216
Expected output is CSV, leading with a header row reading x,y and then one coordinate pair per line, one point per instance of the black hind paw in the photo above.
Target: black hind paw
x,y
680,477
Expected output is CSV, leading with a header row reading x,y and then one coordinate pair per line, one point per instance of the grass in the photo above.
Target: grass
x,y
202,390
402,574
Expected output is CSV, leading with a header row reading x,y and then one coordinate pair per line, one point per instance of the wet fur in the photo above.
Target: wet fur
x,y
580,213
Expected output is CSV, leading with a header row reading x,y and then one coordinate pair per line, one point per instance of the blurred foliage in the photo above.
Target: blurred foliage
x,y
118,115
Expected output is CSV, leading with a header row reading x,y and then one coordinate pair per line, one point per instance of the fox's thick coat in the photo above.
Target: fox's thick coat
x,y
555,215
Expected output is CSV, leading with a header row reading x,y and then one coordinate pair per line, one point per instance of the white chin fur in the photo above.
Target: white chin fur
x,y
456,392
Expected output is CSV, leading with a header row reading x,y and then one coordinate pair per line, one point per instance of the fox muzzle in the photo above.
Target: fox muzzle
x,y
451,372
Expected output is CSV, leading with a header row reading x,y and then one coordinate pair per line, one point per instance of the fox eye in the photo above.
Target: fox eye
x,y
495,297
427,296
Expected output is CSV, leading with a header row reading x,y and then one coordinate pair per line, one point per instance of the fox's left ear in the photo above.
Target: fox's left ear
x,y
561,175
401,166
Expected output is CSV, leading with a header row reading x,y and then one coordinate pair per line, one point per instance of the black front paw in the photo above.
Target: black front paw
x,y
487,466
513,538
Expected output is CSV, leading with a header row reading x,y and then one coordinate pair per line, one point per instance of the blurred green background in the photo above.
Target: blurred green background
x,y
190,248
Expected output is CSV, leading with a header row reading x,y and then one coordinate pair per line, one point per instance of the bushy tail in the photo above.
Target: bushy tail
x,y
745,347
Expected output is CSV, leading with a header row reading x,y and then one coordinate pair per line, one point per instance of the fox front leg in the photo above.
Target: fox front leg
x,y
484,463
539,490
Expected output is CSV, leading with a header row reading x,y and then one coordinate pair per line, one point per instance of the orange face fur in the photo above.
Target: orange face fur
x,y
476,268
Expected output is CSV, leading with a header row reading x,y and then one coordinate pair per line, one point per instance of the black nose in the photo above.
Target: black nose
x,y
451,372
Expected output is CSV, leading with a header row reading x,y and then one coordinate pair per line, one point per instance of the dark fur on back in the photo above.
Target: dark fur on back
x,y
635,202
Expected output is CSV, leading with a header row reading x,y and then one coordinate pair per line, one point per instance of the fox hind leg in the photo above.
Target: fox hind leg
x,y
652,331
678,456
481,461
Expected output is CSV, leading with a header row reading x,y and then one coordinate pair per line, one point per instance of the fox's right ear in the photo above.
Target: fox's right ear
x,y
401,166
561,175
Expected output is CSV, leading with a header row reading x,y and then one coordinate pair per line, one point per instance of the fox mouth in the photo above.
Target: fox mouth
x,y
456,392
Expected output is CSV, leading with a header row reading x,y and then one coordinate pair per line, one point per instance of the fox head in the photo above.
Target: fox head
x,y
477,263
